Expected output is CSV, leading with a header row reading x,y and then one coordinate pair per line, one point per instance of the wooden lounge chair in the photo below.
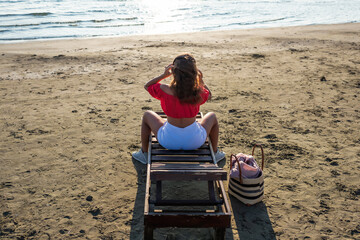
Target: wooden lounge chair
x,y
196,165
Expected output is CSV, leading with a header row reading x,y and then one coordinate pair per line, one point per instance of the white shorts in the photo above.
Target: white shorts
x,y
175,138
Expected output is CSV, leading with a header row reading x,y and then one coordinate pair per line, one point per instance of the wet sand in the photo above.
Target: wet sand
x,y
71,112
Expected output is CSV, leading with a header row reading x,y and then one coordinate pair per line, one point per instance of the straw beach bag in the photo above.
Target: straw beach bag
x,y
246,181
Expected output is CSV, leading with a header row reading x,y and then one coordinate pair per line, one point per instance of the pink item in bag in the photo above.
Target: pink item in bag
x,y
248,165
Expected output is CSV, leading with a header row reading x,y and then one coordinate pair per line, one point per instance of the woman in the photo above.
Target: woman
x,y
181,102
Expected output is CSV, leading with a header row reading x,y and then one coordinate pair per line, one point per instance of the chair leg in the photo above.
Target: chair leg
x,y
211,191
158,190
148,233
219,233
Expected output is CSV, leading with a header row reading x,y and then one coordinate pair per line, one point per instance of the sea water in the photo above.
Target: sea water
x,y
22,20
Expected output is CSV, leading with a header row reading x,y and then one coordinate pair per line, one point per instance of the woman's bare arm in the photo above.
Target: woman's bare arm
x,y
167,73
202,83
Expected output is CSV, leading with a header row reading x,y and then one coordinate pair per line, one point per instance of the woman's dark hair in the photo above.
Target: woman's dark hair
x,y
186,84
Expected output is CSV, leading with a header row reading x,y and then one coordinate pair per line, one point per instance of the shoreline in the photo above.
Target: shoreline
x,y
167,36
71,112
143,35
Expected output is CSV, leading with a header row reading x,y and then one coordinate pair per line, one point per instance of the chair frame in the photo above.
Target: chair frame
x,y
198,165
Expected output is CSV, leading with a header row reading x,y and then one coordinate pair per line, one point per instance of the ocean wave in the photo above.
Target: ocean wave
x,y
221,26
114,19
102,11
13,1
36,38
69,22
258,22
52,37
112,26
101,20
184,9
76,26
127,18
40,14
38,24
35,14
20,25
220,14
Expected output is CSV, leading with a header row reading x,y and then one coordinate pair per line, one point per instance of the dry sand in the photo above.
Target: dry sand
x,y
70,118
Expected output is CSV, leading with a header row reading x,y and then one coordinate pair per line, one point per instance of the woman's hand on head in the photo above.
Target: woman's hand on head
x,y
168,70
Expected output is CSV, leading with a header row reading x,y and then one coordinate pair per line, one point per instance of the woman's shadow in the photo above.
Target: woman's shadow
x,y
252,222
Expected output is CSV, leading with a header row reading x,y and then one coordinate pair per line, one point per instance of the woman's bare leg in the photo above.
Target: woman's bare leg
x,y
151,122
211,125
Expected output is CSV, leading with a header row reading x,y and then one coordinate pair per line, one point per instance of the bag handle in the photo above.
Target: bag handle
x,y
238,162
262,154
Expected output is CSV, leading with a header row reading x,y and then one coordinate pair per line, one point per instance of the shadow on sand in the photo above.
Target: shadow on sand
x,y
137,223
252,222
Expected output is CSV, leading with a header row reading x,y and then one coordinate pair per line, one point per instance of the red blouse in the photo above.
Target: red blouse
x,y
171,105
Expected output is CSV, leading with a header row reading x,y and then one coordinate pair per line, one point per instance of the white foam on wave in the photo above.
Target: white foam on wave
x,y
37,19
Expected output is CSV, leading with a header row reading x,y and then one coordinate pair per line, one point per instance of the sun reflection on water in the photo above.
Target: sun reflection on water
x,y
162,16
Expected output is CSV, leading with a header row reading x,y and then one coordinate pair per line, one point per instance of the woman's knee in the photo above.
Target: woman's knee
x,y
212,117
148,115
209,122
153,120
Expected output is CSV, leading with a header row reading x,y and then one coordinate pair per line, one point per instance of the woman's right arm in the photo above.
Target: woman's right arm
x,y
167,73
203,84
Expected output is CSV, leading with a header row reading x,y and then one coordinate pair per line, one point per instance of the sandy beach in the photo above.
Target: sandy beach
x,y
70,118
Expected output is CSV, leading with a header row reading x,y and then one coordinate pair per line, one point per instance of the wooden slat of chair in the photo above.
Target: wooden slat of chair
x,y
189,175
158,146
186,220
186,202
181,159
180,152
155,142
162,166
185,171
163,115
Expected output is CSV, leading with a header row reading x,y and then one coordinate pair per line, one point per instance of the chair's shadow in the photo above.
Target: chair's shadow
x,y
252,222
137,223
